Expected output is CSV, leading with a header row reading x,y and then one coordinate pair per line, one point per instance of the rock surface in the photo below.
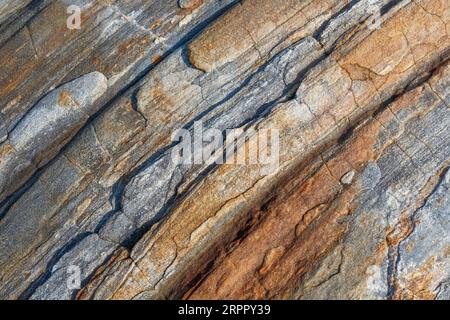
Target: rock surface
x,y
356,207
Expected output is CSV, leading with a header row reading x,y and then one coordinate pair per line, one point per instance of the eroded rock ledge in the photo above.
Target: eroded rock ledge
x,y
358,207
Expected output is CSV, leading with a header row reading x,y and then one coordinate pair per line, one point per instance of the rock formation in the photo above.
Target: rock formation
x,y
357,206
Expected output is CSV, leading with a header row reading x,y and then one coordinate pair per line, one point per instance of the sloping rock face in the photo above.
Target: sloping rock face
x,y
354,96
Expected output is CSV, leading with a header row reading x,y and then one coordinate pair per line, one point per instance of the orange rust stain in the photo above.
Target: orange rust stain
x,y
25,71
155,24
5,150
156,59
64,98
162,102
401,231
134,43
129,106
418,284
96,61
123,48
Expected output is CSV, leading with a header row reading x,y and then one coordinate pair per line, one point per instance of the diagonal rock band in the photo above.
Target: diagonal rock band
x,y
116,171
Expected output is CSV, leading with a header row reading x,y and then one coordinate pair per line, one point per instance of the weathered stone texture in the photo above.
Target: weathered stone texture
x,y
357,208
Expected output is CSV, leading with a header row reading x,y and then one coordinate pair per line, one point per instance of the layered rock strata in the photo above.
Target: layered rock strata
x,y
357,207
